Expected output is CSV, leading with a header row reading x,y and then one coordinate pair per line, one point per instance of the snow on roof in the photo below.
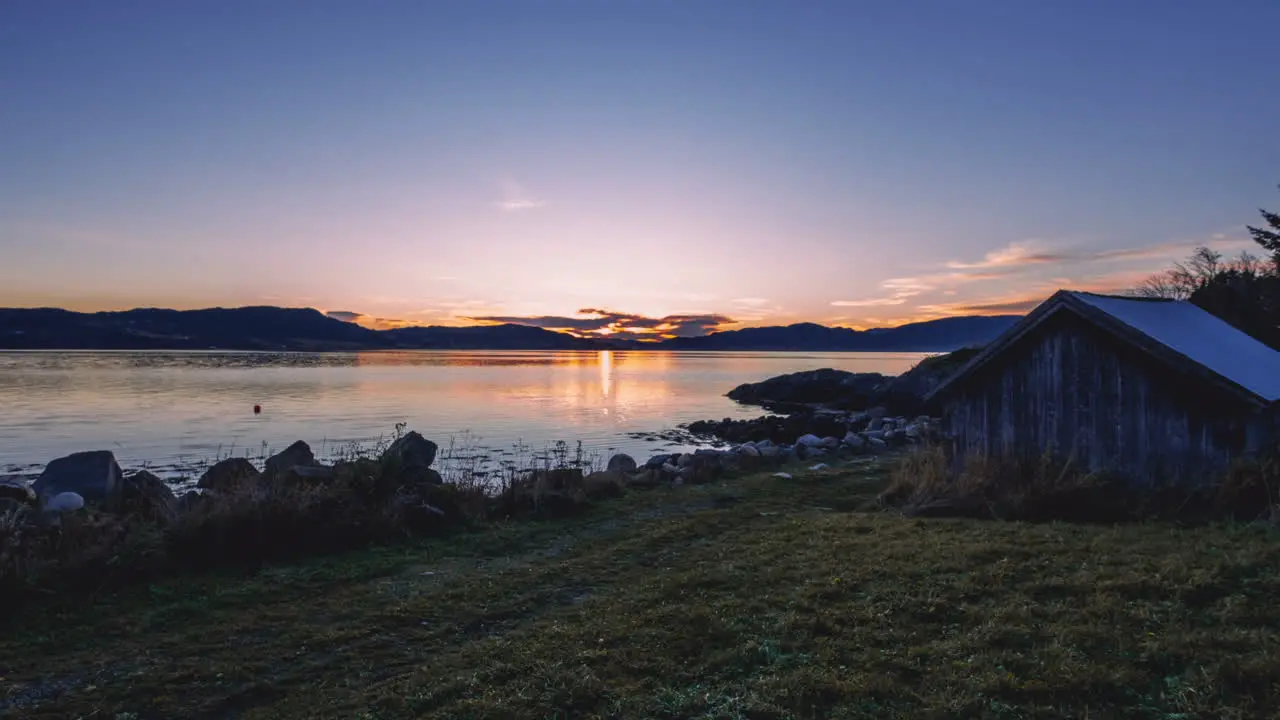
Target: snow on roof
x,y
1200,336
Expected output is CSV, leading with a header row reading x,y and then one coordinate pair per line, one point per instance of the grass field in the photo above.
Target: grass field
x,y
752,598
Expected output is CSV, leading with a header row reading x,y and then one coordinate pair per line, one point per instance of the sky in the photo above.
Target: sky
x,y
666,166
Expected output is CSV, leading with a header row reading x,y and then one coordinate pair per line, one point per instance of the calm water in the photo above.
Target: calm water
x,y
166,408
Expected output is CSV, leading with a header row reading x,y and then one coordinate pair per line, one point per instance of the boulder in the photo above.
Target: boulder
x,y
64,502
685,460
809,440
306,476
409,451
622,462
146,495
17,491
228,475
559,479
830,443
604,484
296,454
94,476
645,479
854,441
657,461
748,450
772,451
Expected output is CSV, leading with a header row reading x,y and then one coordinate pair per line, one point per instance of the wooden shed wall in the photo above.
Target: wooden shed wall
x,y
1073,389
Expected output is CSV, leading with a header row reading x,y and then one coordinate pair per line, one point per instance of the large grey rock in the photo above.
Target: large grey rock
x,y
228,475
296,454
94,476
809,440
832,387
657,461
622,462
147,495
411,450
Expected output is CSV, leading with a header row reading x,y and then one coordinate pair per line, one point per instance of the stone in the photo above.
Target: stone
x,y
686,460
784,476
876,425
763,444
645,479
306,475
748,450
146,495
605,484
669,469
707,453
64,502
770,451
228,475
818,467
559,479
94,476
296,454
855,441
410,450
622,463
17,491
830,443
809,440
657,461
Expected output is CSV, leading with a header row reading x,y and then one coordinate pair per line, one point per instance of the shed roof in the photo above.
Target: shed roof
x,y
1176,331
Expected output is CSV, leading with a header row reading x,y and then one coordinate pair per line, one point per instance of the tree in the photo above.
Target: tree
x,y
1184,278
1269,239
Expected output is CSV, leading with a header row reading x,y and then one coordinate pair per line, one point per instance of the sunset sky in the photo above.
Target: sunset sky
x,y
674,165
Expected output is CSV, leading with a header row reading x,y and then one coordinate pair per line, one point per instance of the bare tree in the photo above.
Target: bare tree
x,y
1198,271
1185,277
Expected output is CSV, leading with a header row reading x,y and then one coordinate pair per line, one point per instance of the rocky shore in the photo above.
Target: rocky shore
x,y
836,410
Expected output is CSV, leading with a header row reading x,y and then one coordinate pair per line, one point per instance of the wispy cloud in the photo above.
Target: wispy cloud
x,y
516,205
597,321
1027,252
516,198
368,321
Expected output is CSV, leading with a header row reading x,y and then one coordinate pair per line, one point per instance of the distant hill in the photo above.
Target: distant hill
x,y
934,335
273,328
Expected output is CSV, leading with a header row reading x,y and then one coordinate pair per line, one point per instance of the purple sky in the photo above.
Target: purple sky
x,y
667,162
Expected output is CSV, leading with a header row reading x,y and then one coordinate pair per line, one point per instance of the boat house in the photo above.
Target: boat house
x,y
1159,391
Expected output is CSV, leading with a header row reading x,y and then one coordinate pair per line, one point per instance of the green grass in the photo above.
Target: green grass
x,y
751,598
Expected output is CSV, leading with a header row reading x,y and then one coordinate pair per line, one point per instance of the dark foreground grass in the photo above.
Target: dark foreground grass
x,y
755,598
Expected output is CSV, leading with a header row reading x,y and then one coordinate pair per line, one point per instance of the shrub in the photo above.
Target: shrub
x,y
930,482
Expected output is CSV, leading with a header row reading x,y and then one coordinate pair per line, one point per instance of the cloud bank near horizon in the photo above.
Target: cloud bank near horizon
x,y
611,323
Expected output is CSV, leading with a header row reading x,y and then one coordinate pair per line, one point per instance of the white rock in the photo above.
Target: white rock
x,y
819,466
64,502
784,476
855,441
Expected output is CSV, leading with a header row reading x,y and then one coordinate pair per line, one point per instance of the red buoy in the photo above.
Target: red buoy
x,y
257,409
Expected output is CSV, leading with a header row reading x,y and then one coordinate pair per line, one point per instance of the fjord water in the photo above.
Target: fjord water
x,y
175,409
